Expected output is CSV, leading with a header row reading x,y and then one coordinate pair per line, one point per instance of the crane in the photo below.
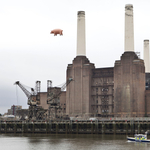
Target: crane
x,y
53,94
32,96
35,111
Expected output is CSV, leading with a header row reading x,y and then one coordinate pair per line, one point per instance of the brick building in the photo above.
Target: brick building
x,y
120,91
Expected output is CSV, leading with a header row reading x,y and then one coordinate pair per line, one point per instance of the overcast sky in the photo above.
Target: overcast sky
x,y
28,52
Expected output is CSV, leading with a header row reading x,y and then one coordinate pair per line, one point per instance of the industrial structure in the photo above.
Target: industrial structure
x,y
35,111
106,92
119,91
52,109
53,100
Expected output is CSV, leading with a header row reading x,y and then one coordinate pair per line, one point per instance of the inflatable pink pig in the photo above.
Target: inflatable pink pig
x,y
56,31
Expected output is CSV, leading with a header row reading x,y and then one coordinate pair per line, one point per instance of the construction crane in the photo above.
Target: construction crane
x,y
32,96
53,94
35,112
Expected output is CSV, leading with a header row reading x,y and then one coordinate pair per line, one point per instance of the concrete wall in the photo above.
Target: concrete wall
x,y
81,40
129,28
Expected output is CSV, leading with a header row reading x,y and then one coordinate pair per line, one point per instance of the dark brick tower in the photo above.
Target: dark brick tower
x,y
129,76
129,86
79,90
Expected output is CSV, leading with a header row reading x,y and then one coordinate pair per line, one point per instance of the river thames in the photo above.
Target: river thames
x,y
68,142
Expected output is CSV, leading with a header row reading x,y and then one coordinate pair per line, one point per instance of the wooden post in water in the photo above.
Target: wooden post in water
x,y
56,128
46,128
33,128
77,128
114,127
66,127
70,127
132,126
26,127
0,126
50,127
22,127
139,128
5,127
126,127
96,127
148,127
15,127
91,127
103,128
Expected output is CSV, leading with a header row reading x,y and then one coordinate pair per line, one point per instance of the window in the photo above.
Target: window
x,y
104,89
96,89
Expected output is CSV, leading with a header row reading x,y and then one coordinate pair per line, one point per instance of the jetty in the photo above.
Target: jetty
x,y
103,126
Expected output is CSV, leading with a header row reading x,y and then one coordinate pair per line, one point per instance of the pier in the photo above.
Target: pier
x,y
107,126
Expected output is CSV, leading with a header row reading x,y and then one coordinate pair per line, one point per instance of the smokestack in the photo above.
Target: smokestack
x,y
146,56
129,29
81,34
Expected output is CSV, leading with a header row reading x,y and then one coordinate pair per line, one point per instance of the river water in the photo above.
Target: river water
x,y
68,142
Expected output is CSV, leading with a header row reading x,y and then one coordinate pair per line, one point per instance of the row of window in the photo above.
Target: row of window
x,y
103,97
103,101
103,89
103,80
103,110
63,104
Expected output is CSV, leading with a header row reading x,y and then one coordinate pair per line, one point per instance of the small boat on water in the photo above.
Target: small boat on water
x,y
139,138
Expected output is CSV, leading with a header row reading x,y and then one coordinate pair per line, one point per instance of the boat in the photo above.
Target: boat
x,y
139,138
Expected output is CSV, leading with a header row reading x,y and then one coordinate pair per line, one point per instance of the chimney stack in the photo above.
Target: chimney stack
x,y
81,34
146,56
129,29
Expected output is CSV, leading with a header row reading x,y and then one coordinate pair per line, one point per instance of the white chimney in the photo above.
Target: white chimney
x,y
81,34
146,56
129,29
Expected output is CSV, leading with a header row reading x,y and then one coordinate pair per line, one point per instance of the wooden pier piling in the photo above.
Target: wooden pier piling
x,y
75,127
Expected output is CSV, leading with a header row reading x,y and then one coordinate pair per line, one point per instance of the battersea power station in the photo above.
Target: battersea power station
x,y
119,91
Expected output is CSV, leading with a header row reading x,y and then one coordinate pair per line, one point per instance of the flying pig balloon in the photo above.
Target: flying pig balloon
x,y
56,31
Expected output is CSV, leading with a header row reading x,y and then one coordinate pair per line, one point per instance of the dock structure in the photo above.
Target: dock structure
x,y
110,126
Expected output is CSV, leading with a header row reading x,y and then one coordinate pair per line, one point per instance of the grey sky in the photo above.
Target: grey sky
x,y
28,52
